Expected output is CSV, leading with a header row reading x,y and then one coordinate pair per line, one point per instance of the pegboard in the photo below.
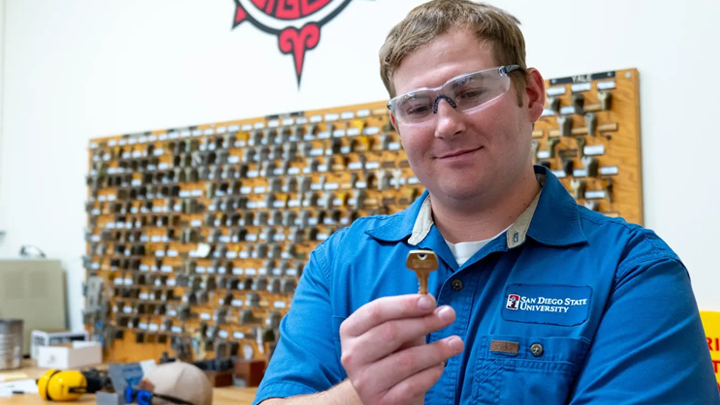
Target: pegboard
x,y
595,117
201,233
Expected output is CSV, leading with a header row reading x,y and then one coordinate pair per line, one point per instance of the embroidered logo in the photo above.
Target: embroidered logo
x,y
551,304
513,302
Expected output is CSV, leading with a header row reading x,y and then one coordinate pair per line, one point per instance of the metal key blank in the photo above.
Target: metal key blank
x,y
422,262
578,187
591,123
605,98
581,145
551,145
565,123
591,165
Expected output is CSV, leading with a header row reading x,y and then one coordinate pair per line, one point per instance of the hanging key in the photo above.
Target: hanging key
x,y
269,200
268,234
304,219
335,145
275,185
304,183
289,218
291,185
578,187
248,155
275,251
276,152
383,178
591,123
296,133
608,189
269,136
591,165
288,284
290,152
592,205
320,217
360,195
284,136
565,123
263,154
554,104
327,200
552,142
385,141
274,287
305,149
222,157
567,165
578,103
397,178
275,218
261,219
284,167
605,98
581,145
268,167
255,138
422,262
311,199
228,141
313,165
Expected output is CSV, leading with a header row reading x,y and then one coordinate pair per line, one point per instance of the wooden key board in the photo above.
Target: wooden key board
x,y
179,219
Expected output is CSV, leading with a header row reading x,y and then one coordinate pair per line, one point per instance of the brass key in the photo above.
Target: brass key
x,y
422,262
605,98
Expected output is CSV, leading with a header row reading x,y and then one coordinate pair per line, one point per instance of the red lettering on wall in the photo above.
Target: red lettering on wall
x,y
311,6
270,7
716,363
288,9
259,3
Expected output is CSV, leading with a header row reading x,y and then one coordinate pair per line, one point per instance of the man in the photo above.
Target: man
x,y
604,312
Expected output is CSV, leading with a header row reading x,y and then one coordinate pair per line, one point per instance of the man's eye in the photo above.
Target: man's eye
x,y
471,94
418,109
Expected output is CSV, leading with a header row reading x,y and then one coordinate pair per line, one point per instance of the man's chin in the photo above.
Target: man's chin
x,y
467,191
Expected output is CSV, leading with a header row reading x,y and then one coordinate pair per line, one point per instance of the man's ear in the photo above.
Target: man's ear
x,y
535,91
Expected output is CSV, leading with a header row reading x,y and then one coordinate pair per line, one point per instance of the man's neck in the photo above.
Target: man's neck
x,y
471,221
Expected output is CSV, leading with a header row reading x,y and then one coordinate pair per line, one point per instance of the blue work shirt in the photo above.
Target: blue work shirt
x,y
568,306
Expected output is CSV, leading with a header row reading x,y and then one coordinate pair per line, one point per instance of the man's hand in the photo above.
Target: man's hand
x,y
384,351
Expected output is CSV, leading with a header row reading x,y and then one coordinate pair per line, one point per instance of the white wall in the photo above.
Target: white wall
x,y
79,69
2,79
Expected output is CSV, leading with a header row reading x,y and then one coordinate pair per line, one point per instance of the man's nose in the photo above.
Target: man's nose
x,y
449,122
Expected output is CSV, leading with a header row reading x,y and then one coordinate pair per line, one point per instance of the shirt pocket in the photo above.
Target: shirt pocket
x,y
336,322
527,370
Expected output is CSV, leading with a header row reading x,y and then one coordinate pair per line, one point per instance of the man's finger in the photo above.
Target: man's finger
x,y
388,337
403,365
385,309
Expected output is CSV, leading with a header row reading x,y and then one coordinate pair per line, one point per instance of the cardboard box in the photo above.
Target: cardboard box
x,y
70,356
41,338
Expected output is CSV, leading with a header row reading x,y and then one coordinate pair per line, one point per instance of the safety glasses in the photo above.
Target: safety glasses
x,y
466,93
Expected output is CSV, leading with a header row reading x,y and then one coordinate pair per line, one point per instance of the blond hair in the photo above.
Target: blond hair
x,y
432,19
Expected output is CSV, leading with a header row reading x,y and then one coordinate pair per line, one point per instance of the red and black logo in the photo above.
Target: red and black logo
x,y
297,23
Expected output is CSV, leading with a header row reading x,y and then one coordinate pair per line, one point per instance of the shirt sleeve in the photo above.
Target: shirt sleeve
x,y
304,360
650,346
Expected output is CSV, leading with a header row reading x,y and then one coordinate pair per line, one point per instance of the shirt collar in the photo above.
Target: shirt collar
x,y
552,218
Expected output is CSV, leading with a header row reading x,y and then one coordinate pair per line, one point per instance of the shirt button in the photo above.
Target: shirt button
x,y
456,285
536,349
